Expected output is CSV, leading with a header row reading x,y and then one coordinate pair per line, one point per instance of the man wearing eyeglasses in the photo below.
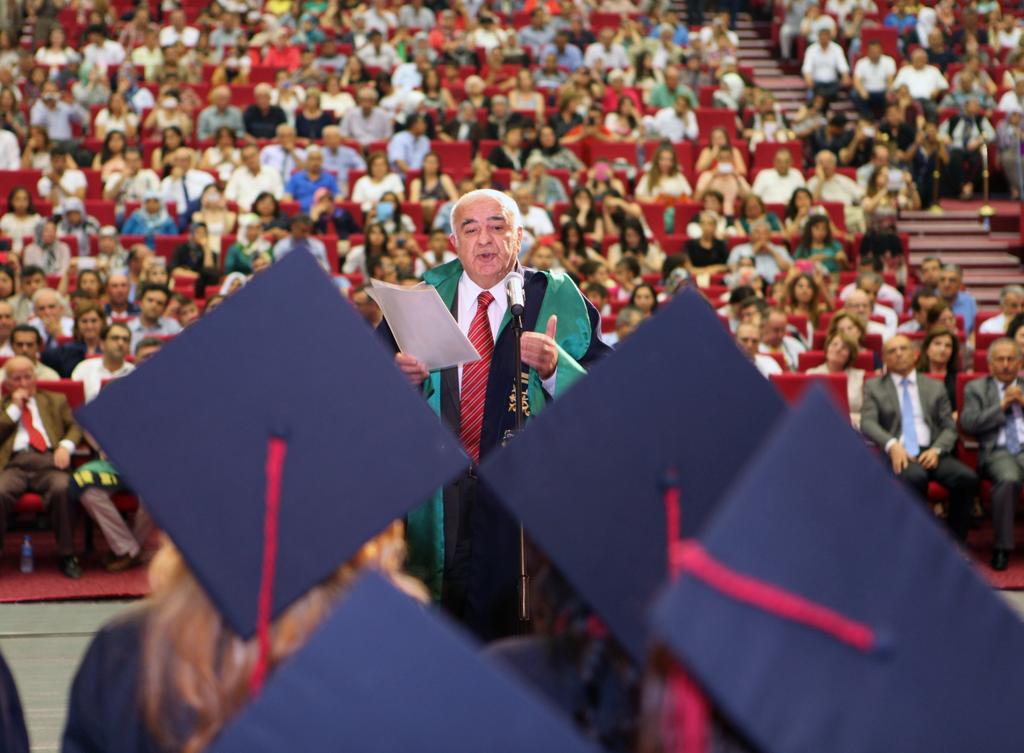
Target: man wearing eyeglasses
x,y
116,340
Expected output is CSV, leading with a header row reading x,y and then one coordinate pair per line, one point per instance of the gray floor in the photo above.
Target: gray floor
x,y
43,643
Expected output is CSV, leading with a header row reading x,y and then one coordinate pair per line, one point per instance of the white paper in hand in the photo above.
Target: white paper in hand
x,y
422,325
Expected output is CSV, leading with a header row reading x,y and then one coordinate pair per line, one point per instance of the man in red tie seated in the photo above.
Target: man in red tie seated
x,y
37,436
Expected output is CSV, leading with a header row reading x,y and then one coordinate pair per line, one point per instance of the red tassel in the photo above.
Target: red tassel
x,y
277,449
692,558
686,709
672,522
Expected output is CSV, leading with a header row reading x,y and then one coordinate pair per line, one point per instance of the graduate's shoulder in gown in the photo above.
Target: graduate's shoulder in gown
x,y
105,709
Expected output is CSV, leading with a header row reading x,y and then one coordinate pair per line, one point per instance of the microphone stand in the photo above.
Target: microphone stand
x,y
517,391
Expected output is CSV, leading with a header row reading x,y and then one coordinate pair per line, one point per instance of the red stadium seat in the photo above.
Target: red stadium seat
x,y
792,386
69,388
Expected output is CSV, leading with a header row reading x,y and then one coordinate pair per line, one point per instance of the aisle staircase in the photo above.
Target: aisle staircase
x,y
991,258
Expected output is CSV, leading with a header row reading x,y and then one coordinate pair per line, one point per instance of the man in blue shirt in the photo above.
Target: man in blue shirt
x,y
407,148
339,160
960,301
567,55
299,240
303,184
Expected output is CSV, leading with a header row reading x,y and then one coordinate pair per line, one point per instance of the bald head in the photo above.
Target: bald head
x,y
898,355
859,303
20,374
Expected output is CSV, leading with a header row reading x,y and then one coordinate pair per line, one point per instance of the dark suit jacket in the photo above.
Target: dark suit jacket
x,y
57,420
881,419
982,414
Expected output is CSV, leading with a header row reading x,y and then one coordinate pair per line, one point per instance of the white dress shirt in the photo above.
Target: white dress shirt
x,y
469,291
924,434
1001,439
10,152
875,76
91,372
173,189
243,187
995,325
21,435
774,188
825,65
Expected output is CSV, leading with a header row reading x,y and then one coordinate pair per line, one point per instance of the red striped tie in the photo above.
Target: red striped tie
x,y
474,379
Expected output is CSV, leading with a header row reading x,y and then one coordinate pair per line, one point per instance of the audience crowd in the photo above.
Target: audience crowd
x,y
159,156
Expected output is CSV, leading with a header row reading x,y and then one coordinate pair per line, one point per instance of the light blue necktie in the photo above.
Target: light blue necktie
x,y
1012,436
910,442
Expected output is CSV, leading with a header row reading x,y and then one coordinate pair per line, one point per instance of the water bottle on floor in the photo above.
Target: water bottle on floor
x,y
27,565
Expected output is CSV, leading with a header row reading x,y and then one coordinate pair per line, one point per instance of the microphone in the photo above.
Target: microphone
x,y
516,296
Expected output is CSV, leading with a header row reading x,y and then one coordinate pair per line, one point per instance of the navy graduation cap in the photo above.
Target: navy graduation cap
x,y
824,610
383,674
272,440
677,401
13,736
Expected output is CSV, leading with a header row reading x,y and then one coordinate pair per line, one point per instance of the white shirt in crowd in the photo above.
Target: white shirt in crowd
x,y
922,84
825,65
21,435
875,76
92,372
775,188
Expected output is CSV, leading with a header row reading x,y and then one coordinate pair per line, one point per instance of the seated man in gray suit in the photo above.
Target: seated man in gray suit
x,y
993,413
908,415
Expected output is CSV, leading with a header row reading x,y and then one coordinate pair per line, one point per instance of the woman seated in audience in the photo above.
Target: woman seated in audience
x,y
36,154
436,99
249,245
224,156
663,181
378,181
287,95
57,53
818,245
556,156
273,222
376,244
168,113
311,120
708,253
10,115
752,210
940,359
1014,330
624,123
942,316
801,206
644,298
334,100
20,219
585,214
525,98
116,116
475,92
721,167
840,356
634,243
88,282
888,193
627,275
197,260
171,139
110,159
388,214
432,187
572,247
806,295
89,322
215,215
713,202
150,220
47,251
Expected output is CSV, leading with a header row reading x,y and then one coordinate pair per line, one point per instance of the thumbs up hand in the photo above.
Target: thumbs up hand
x,y
540,351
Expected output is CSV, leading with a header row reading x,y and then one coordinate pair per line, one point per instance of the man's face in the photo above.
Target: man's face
x,y
949,284
332,139
874,51
132,162
930,273
6,320
251,158
117,343
1003,362
20,376
898,355
775,329
221,98
760,235
144,354
870,287
300,230
485,240
859,303
828,166
1012,303
287,137
925,303
262,99
314,162
26,344
749,338
153,304
783,161
47,306
117,290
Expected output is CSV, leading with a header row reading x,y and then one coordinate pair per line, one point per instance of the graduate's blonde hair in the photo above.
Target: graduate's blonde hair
x,y
195,670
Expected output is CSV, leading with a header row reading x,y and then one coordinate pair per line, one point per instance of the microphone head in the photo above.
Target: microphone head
x,y
516,294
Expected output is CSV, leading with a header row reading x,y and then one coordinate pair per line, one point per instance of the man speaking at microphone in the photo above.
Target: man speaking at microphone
x,y
462,544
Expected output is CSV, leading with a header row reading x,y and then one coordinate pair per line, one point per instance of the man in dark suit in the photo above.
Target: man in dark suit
x,y
993,412
463,544
37,436
909,417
